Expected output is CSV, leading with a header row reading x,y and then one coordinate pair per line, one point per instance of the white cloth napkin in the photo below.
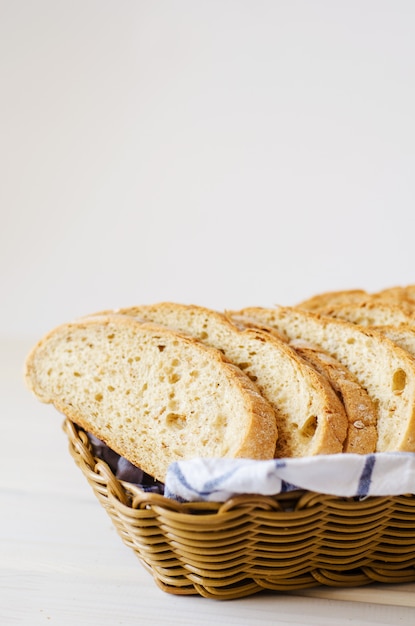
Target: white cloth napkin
x,y
379,474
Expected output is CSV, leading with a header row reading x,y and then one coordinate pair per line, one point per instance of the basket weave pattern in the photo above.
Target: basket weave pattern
x,y
251,543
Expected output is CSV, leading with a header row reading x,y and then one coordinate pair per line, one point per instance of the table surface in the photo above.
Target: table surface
x,y
62,562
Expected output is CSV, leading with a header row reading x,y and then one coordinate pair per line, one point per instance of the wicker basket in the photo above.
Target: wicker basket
x,y
251,543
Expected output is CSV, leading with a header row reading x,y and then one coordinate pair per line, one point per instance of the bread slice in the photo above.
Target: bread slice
x,y
385,370
310,417
403,336
332,298
360,409
372,313
398,294
153,395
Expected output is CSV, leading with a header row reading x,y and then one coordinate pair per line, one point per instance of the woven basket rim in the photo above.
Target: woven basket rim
x,y
251,543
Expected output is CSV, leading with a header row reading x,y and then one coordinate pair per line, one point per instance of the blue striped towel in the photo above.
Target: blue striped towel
x,y
379,474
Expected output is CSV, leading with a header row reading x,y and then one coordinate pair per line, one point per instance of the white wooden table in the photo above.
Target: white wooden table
x,y
62,562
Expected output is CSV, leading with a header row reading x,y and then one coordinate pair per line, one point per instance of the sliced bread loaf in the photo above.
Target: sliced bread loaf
x,y
310,417
385,370
153,395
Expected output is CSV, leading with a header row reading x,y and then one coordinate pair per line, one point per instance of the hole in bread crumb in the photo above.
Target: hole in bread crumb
x,y
203,335
194,373
175,362
110,337
76,374
173,378
220,422
111,388
176,421
351,340
243,365
398,381
309,427
161,348
98,397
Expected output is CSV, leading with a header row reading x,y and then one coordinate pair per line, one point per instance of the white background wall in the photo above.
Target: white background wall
x,y
220,152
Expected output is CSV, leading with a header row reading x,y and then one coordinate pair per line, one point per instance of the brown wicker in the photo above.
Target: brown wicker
x,y
251,543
